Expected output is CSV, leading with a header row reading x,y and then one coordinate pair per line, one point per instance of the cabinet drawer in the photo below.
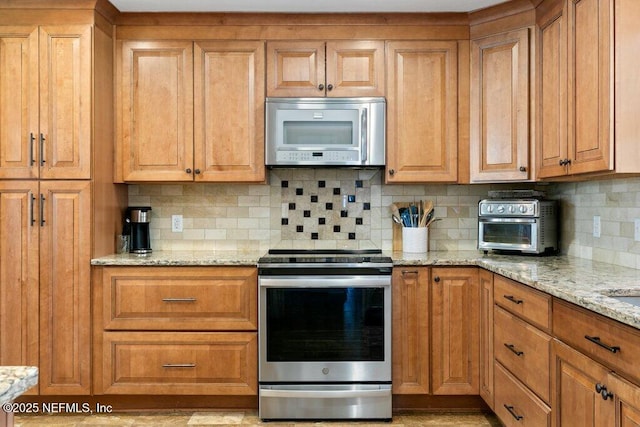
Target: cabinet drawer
x,y
523,350
531,305
179,363
615,345
178,298
515,405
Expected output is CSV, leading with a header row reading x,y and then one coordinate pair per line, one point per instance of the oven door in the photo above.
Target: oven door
x,y
325,329
514,234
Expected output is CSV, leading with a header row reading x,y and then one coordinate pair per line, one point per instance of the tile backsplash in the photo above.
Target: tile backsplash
x,y
302,208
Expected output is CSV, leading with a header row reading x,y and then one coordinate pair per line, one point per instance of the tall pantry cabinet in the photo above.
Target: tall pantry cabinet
x,y
57,208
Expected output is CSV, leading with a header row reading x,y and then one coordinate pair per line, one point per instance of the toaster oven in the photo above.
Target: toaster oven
x,y
522,226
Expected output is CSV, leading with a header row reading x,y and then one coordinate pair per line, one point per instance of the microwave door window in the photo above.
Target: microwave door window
x,y
313,324
504,233
318,134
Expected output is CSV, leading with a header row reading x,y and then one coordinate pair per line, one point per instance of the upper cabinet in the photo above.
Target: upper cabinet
x,y
588,87
422,111
318,69
46,86
499,127
165,133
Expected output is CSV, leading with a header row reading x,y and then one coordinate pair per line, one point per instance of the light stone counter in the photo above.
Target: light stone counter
x,y
183,258
583,282
15,380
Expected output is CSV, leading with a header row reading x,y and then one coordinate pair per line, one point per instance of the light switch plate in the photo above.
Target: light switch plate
x,y
636,229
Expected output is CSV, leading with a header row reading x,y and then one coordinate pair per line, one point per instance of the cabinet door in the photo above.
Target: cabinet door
x,y
229,111
65,102
499,129
410,330
627,401
552,114
65,254
574,380
19,101
296,68
422,115
486,336
590,24
455,331
18,273
355,68
155,110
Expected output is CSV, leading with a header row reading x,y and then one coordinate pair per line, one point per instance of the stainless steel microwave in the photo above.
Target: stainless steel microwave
x,y
325,132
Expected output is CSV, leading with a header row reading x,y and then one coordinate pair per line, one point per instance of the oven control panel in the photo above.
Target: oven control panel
x,y
510,208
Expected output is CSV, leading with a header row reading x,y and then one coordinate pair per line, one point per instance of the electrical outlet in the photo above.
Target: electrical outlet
x,y
176,223
636,229
596,226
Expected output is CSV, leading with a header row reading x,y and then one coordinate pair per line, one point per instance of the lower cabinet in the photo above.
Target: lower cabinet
x,y
180,363
515,404
435,330
455,331
175,331
486,337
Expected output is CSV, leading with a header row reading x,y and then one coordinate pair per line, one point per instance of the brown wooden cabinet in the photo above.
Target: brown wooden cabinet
x,y
410,335
56,141
175,330
422,111
65,254
333,68
588,87
18,273
486,337
455,330
499,129
574,381
46,116
165,133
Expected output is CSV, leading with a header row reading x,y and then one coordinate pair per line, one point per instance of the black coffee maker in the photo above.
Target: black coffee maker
x,y
137,219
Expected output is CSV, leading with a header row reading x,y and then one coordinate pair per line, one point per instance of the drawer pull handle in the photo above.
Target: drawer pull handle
x,y
513,299
179,299
179,365
404,272
602,389
596,340
513,413
513,349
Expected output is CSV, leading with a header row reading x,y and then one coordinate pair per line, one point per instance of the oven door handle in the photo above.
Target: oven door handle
x,y
324,394
508,220
324,282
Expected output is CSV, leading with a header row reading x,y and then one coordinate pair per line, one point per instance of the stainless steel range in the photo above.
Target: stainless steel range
x,y
325,335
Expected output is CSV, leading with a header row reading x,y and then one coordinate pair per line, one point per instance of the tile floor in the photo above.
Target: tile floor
x,y
250,418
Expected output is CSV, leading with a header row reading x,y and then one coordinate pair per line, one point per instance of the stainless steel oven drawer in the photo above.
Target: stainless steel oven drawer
x,y
335,401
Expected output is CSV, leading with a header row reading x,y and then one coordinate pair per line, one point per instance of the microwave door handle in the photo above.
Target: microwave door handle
x,y
363,134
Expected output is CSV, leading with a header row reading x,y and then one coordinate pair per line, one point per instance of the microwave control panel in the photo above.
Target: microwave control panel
x,y
318,156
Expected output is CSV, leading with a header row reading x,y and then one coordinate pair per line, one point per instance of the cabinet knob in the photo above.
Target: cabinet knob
x,y
320,86
436,279
197,171
602,389
391,172
188,170
330,87
523,169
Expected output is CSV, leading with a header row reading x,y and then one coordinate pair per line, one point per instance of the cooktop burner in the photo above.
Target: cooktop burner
x,y
324,256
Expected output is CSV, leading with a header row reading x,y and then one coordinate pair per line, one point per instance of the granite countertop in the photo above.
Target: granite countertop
x,y
589,284
15,380
184,258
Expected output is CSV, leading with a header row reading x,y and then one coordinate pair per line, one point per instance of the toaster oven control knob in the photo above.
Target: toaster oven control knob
x,y
523,209
489,208
512,209
500,209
